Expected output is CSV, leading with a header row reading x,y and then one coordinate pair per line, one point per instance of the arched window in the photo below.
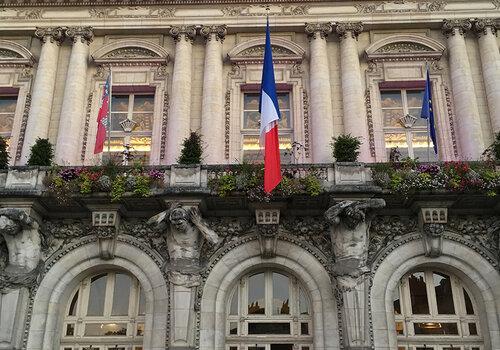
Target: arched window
x,y
434,310
268,310
105,312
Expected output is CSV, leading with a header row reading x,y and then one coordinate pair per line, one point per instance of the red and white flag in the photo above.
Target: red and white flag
x,y
102,118
269,117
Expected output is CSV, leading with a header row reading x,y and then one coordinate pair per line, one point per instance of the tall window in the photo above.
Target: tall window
x,y
268,310
132,124
251,127
7,112
105,312
403,127
435,311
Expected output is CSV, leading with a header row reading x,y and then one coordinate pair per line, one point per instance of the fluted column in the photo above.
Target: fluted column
x,y
486,30
466,109
74,100
355,122
43,88
212,109
180,109
321,92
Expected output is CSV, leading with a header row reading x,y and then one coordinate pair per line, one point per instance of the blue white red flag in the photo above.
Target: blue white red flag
x,y
102,118
428,113
269,117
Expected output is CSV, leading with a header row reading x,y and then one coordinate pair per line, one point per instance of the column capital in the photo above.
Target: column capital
x,y
318,30
84,34
481,26
453,26
219,31
187,33
345,29
52,34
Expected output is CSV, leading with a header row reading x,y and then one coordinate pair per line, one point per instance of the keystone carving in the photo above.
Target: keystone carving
x,y
432,235
187,33
318,30
219,32
452,26
349,28
52,34
84,34
482,25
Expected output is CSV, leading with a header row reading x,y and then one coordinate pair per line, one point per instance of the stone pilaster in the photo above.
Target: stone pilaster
x,y
486,30
180,109
466,109
355,122
321,92
74,100
212,109
43,88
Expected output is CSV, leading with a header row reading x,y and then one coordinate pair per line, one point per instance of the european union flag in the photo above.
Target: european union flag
x,y
428,113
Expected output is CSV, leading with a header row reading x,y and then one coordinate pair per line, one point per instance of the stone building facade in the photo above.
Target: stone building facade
x,y
354,267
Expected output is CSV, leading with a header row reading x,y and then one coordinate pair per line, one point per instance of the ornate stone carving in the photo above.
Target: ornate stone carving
x,y
451,120
369,119
88,111
5,53
187,33
131,52
214,31
432,236
305,104
268,236
315,230
227,122
496,3
84,34
262,10
14,280
99,12
349,28
481,26
318,30
164,123
52,34
403,47
453,26
401,6
24,123
259,51
30,13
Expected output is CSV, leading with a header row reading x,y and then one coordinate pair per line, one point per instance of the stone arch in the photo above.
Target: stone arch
x,y
405,44
54,291
130,50
473,269
289,257
281,48
11,51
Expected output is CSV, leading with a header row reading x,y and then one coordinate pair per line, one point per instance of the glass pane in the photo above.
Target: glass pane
x,y
416,112
256,348
435,328
268,328
468,304
144,121
283,100
392,116
418,293
233,328
119,103
285,121
444,294
304,328
70,329
282,347
6,121
251,102
281,294
396,140
144,103
256,293
8,104
97,295
251,120
420,149
121,295
400,329
303,303
142,304
140,329
415,98
116,119
140,144
472,329
234,303
396,302
72,307
105,329
391,99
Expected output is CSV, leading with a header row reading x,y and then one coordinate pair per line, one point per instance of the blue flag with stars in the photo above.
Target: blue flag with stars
x,y
428,113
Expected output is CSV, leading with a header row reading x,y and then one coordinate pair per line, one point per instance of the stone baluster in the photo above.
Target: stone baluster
x,y
486,30
74,100
212,109
43,88
355,122
466,109
180,109
321,92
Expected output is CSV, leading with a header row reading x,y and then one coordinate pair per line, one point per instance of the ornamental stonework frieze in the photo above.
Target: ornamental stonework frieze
x,y
131,52
481,26
352,29
263,10
83,34
403,47
217,32
318,30
401,6
453,26
51,34
185,32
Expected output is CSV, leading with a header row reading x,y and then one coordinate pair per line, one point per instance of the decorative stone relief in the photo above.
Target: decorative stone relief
x,y
132,12
5,53
187,33
227,122
318,30
314,230
369,119
52,34
401,6
452,26
496,3
261,10
451,120
259,51
30,13
214,31
432,235
482,25
164,123
24,123
131,52
403,47
305,104
349,28
83,34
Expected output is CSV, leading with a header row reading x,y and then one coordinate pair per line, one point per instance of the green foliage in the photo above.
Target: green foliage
x,y
118,188
345,148
42,153
4,155
142,186
495,147
311,184
192,149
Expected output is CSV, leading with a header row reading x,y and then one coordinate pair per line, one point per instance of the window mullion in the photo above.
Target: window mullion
x,y
130,106
431,294
108,297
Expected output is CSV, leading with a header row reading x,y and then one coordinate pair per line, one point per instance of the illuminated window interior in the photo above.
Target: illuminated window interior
x,y
7,112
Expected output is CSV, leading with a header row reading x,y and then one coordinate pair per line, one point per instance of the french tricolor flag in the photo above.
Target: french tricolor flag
x,y
269,117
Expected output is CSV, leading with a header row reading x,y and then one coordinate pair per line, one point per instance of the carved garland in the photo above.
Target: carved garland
x,y
451,120
227,122
87,124
369,119
24,123
164,122
305,102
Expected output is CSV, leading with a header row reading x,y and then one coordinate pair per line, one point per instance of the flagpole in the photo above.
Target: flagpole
x,y
109,112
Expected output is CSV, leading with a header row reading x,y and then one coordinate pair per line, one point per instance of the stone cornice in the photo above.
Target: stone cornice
x,y
453,26
219,31
481,26
187,33
84,34
52,34
349,28
318,30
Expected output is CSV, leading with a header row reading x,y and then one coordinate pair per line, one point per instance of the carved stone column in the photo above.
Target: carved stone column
x,y
212,109
321,92
466,109
486,30
43,88
353,96
180,109
350,222
74,100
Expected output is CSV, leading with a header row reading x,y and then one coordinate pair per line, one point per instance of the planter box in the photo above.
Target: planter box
x,y
185,176
351,174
